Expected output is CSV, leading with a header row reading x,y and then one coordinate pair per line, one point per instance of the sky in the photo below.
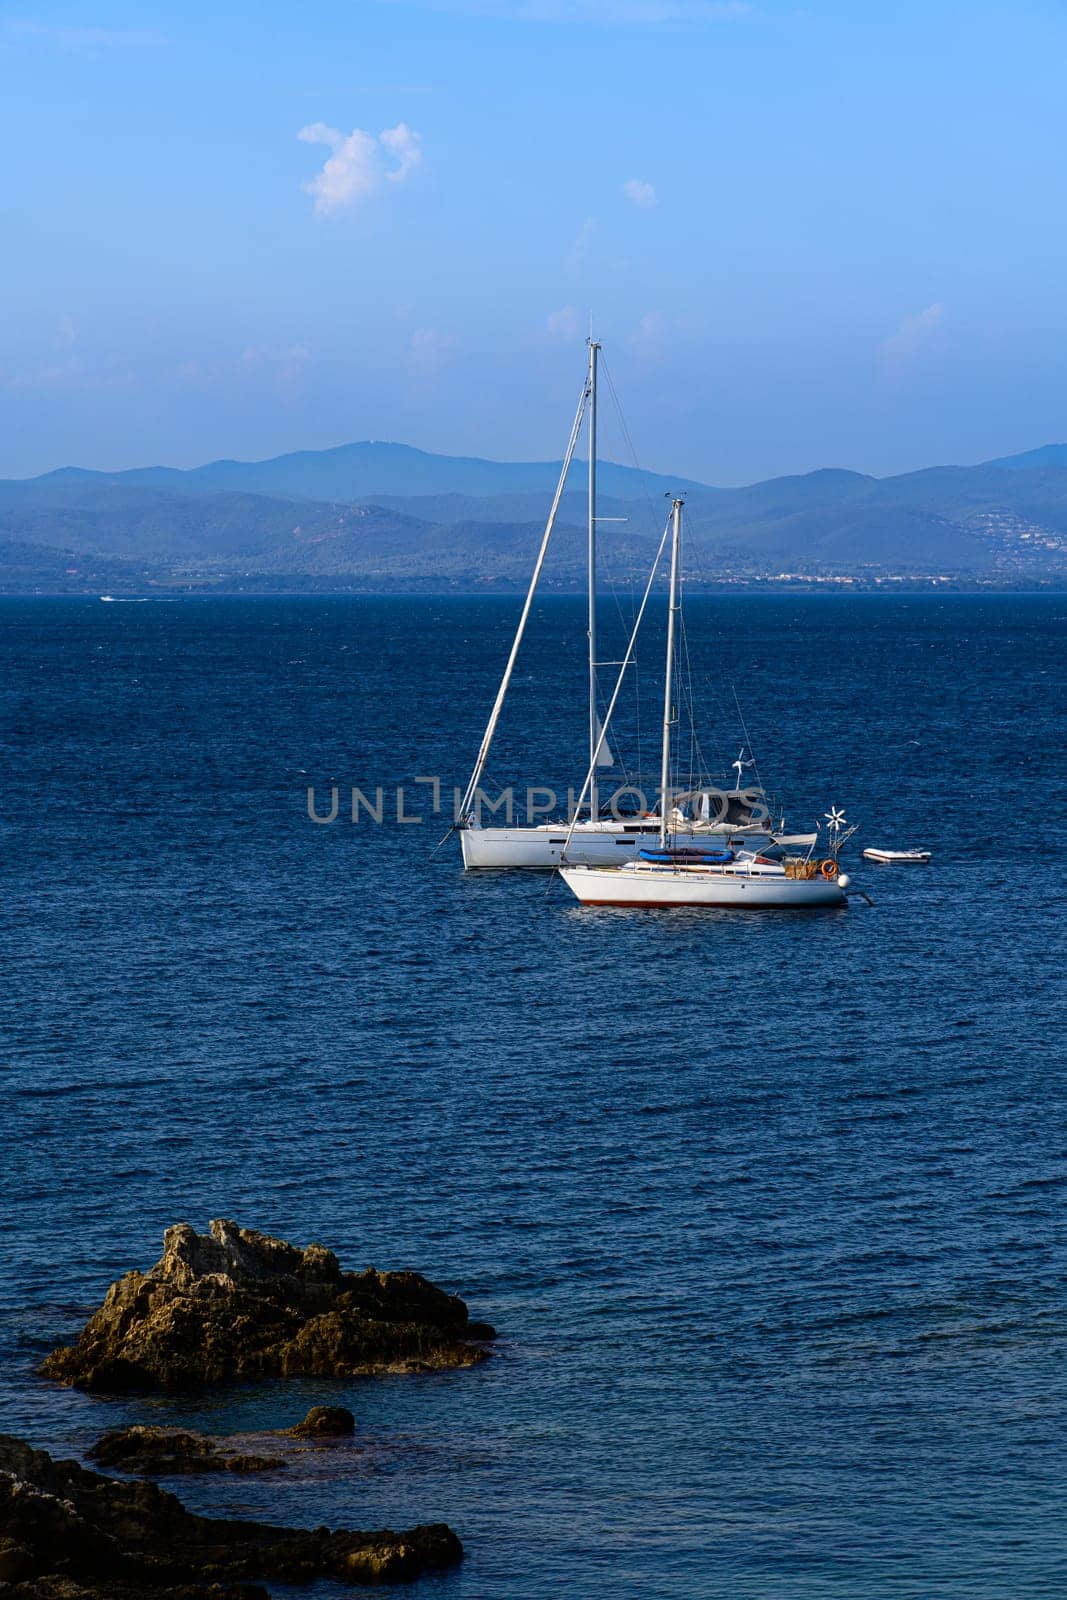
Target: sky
x,y
831,233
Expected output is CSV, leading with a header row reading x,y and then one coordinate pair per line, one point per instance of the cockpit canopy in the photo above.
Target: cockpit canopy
x,y
737,808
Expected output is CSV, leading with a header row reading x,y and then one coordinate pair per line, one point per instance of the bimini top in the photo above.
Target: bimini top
x,y
737,808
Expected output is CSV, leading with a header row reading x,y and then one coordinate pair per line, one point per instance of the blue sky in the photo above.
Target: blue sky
x,y
809,234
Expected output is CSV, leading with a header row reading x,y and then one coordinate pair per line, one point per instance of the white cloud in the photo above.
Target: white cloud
x,y
640,192
912,336
428,350
563,323
405,145
358,163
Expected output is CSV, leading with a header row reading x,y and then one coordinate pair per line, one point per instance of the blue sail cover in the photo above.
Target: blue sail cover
x,y
688,857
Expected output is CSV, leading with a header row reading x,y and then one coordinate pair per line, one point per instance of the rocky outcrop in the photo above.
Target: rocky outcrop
x,y
165,1452
238,1304
66,1533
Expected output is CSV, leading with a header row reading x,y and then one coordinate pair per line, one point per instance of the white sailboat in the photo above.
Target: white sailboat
x,y
687,876
739,816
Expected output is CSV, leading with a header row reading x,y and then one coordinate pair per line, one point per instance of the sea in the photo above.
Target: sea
x,y
769,1209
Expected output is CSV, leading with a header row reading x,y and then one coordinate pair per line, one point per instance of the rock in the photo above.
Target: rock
x,y
163,1452
325,1422
66,1533
237,1304
16,1561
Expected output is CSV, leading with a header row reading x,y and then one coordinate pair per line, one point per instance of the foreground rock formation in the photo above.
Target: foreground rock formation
x,y
238,1304
66,1533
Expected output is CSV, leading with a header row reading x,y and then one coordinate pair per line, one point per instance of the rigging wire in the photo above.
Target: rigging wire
x,y
697,766
623,665
653,523
653,518
748,739
698,763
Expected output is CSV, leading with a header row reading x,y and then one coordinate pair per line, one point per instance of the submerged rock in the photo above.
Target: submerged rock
x,y
238,1304
325,1422
163,1452
66,1532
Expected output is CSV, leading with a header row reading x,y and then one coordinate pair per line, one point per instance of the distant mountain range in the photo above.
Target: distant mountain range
x,y
385,517
352,472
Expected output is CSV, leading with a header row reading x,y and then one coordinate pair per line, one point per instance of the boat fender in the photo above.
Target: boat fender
x,y
829,869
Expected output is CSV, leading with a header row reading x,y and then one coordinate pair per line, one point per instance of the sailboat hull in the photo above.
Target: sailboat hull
x,y
604,844
648,886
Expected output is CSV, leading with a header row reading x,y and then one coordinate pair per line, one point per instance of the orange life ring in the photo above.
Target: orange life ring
x,y
828,869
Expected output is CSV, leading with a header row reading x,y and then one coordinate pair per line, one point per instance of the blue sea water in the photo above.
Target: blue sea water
x,y
769,1210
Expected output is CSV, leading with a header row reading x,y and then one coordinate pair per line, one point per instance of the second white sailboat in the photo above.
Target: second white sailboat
x,y
676,874
738,817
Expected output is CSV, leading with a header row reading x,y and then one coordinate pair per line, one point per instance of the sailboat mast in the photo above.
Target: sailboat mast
x,y
498,704
668,691
594,731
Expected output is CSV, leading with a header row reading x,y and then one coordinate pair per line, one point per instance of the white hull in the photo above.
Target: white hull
x,y
888,857
601,844
748,887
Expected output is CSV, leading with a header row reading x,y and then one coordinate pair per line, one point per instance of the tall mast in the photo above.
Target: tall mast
x,y
498,704
594,731
668,691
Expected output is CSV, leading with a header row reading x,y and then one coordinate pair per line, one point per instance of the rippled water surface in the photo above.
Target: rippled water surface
x,y
769,1210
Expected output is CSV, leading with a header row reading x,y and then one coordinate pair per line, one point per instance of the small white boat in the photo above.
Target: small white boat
x,y
890,858
699,876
